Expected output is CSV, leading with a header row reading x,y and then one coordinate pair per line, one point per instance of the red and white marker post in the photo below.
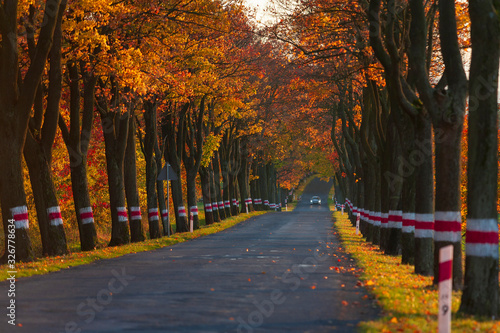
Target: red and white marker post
x,y
191,221
342,209
445,288
357,223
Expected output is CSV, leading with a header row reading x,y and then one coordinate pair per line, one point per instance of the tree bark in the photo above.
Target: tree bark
x,y
115,130
77,139
150,142
480,295
131,191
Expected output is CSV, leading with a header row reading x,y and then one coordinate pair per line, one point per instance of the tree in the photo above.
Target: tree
x,y
77,138
480,295
39,142
114,121
446,105
17,95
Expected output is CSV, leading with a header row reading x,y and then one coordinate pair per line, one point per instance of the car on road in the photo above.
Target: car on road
x,y
315,200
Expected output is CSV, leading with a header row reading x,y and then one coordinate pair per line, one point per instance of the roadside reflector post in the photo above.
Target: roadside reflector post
x,y
445,288
191,222
246,206
357,223
342,209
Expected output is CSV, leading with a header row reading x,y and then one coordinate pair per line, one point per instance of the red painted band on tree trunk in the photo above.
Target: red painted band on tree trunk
x,y
481,237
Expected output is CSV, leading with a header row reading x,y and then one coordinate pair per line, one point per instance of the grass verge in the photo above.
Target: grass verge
x,y
409,301
52,264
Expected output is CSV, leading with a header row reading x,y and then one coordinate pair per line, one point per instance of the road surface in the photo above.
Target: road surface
x,y
280,272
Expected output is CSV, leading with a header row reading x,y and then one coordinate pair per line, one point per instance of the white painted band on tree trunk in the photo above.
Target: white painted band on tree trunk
x,y
448,216
214,206
408,222
20,216
193,210
481,238
164,214
135,213
227,204
396,219
54,214
86,215
153,214
481,250
483,225
182,211
208,208
447,226
122,214
447,236
378,219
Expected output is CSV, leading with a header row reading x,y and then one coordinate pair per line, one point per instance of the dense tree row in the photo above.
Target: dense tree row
x,y
143,84
399,97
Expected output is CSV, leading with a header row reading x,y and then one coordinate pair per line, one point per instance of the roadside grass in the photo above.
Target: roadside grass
x,y
409,301
52,264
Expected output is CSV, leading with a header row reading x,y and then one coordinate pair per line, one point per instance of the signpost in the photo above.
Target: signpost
x,y
167,173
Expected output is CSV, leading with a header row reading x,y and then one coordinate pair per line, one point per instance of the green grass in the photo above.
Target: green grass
x,y
52,264
408,300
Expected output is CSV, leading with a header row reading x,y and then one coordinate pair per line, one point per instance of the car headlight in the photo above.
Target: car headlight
x,y
311,201
319,201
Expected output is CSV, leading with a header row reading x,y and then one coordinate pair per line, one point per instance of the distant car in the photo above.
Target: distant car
x,y
315,200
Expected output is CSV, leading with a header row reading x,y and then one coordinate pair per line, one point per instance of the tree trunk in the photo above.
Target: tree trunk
x,y
246,200
226,196
77,139
163,206
48,210
205,190
424,197
408,191
263,185
213,195
480,295
131,191
447,216
13,198
394,179
220,200
150,142
114,166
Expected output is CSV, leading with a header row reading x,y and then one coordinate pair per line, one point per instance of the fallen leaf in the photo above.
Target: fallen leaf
x,y
345,303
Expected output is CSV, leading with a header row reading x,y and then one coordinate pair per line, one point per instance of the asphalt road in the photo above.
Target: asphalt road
x,y
280,272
